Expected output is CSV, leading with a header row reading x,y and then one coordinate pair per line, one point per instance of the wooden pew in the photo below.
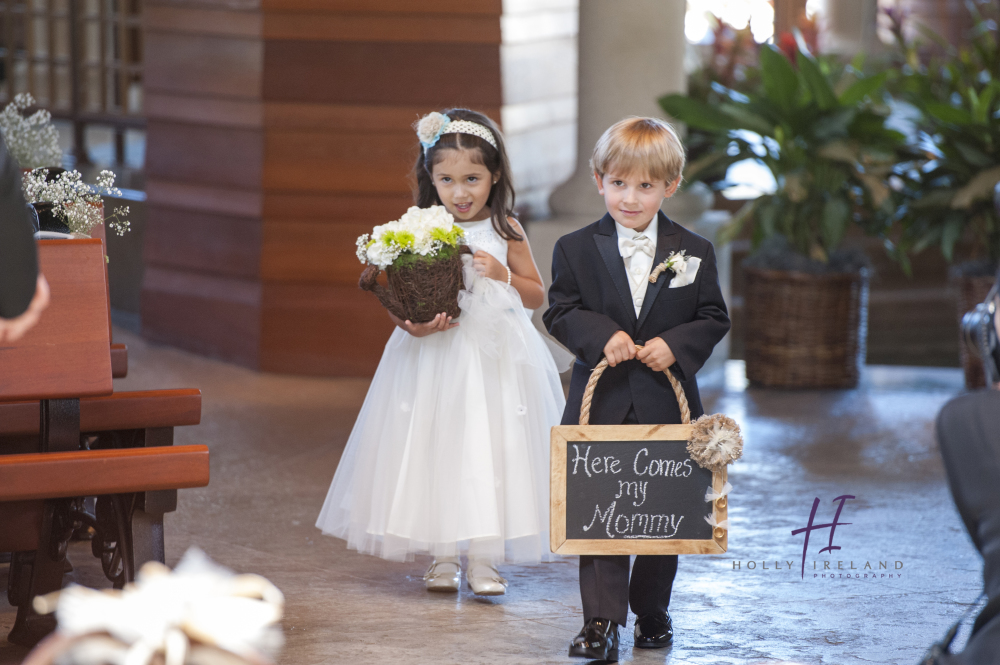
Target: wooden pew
x,y
56,396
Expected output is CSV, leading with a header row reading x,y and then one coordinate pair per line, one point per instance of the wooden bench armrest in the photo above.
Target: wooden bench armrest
x,y
119,361
137,409
97,472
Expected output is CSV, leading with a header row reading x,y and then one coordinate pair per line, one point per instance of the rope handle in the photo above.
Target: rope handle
x,y
588,393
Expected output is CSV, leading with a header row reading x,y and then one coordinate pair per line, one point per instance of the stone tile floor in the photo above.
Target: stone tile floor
x,y
275,444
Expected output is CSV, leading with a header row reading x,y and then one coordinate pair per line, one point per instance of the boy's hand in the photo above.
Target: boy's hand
x,y
439,323
656,355
619,348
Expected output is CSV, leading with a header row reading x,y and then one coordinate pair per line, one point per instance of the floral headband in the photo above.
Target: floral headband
x,y
434,124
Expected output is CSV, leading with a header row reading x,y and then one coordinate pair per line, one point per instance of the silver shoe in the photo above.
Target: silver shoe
x,y
484,579
444,575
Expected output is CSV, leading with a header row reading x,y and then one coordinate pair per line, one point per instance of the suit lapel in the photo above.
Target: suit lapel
x,y
607,245
667,240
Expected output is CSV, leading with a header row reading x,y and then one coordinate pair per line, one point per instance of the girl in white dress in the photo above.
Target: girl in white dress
x,y
450,452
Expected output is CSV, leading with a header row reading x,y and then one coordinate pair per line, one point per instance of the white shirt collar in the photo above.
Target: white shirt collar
x,y
649,232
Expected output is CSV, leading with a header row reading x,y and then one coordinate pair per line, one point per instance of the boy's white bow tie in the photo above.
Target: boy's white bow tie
x,y
629,246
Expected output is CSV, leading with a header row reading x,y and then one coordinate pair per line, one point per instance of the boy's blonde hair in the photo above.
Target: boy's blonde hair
x,y
637,144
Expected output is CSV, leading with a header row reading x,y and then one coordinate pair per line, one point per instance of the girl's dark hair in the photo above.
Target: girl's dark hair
x,y
501,200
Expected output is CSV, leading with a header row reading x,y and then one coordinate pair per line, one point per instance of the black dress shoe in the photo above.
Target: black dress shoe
x,y
597,641
653,631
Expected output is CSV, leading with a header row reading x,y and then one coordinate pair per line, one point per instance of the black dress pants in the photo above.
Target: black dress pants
x,y
605,587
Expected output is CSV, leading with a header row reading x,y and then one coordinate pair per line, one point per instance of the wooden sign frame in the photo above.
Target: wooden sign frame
x,y
564,434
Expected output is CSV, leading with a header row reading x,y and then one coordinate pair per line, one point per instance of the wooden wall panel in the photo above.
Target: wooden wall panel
x,y
285,134
335,206
230,156
204,242
438,7
320,329
382,73
373,163
214,316
309,251
202,64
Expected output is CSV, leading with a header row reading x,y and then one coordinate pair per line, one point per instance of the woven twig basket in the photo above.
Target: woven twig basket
x,y
595,376
805,331
421,291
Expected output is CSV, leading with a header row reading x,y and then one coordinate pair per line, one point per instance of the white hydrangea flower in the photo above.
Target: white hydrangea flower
x,y
418,231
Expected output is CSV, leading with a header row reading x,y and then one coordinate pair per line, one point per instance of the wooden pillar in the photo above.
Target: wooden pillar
x,y
279,131
787,14
948,18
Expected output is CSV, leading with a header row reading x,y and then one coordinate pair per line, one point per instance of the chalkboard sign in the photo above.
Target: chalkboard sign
x,y
631,489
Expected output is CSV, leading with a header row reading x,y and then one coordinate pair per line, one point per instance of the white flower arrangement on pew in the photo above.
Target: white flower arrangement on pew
x,y
75,202
33,141
420,232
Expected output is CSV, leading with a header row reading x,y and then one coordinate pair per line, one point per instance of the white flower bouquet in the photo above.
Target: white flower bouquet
x,y
420,253
33,141
73,202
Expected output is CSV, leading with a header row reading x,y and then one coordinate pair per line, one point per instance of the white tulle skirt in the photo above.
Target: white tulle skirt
x,y
451,447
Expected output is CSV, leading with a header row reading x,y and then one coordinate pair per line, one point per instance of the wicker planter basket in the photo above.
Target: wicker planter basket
x,y
972,290
803,330
420,291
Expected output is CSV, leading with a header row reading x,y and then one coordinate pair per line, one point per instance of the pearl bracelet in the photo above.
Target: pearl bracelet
x,y
509,275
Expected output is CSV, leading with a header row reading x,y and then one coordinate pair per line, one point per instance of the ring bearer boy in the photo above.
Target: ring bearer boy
x,y
603,303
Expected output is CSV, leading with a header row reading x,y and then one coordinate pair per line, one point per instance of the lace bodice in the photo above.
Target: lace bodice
x,y
482,236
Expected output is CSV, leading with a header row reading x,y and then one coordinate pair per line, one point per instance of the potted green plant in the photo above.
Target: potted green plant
x,y
954,158
820,128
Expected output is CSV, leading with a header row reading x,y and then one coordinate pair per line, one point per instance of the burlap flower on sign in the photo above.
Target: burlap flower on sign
x,y
429,128
715,442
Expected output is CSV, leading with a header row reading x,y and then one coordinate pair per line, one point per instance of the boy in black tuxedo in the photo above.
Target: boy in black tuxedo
x,y
602,303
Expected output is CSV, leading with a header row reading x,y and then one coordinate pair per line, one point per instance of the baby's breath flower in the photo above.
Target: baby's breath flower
x,y
75,202
32,141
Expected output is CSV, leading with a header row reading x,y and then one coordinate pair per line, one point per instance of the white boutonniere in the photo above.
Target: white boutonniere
x,y
684,267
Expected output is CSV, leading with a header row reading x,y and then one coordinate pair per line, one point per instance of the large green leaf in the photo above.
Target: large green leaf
x,y
973,155
747,119
948,113
780,80
820,87
697,114
834,124
862,88
950,234
836,214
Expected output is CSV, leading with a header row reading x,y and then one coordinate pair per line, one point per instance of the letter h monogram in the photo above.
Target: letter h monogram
x,y
813,527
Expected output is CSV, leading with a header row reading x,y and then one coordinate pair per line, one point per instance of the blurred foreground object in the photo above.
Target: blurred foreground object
x,y
12,330
200,613
968,430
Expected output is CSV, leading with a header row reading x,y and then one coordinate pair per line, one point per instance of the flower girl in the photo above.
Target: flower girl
x,y
449,453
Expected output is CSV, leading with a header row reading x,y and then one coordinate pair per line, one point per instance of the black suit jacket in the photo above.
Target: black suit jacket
x,y
18,258
968,430
590,300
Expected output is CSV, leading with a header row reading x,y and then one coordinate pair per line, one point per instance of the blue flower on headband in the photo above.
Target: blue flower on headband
x,y
431,127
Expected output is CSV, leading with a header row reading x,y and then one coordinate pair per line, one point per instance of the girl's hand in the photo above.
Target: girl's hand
x,y
439,323
487,266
